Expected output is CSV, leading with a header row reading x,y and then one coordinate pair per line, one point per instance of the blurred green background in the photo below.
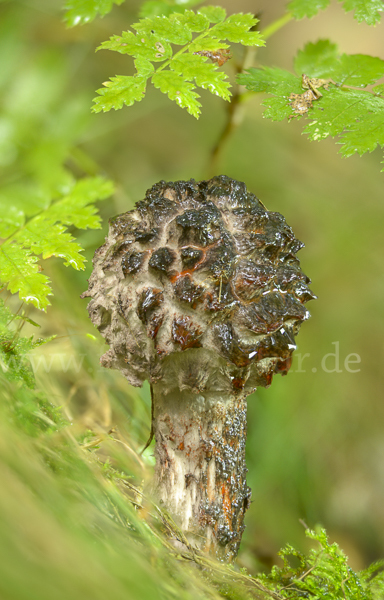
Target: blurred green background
x,y
315,441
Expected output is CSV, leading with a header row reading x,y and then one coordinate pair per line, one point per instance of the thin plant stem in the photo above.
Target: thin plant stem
x,y
235,111
276,25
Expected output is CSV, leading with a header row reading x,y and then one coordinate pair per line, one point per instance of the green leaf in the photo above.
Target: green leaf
x,y
379,89
152,43
322,60
196,22
206,75
144,67
306,8
275,81
77,207
236,29
172,29
365,10
138,46
178,89
316,58
356,116
52,241
20,272
154,8
358,70
119,91
206,43
270,79
45,234
215,14
79,12
11,217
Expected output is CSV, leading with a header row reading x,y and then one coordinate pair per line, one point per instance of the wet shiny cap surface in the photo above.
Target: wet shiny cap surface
x,y
202,270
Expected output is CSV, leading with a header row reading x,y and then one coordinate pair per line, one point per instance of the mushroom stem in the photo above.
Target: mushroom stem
x,y
200,474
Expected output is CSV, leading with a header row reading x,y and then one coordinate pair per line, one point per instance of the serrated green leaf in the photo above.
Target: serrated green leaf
x,y
306,8
316,58
206,43
275,81
322,60
206,75
178,89
79,12
215,14
77,207
153,43
270,79
355,115
144,67
155,8
138,46
45,234
358,70
119,91
20,272
236,29
196,22
171,29
365,10
277,108
51,241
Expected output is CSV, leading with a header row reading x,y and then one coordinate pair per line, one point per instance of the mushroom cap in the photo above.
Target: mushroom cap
x,y
199,288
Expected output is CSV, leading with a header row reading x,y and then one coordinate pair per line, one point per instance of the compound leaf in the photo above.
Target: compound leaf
x,y
179,73
79,12
306,8
355,116
52,241
45,234
365,10
77,207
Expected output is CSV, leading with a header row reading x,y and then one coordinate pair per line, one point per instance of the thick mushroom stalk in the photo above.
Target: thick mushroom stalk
x,y
199,291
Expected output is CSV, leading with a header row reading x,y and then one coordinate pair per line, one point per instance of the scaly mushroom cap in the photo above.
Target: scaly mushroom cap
x,y
199,287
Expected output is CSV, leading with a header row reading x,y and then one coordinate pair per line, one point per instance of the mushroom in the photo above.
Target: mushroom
x,y
198,290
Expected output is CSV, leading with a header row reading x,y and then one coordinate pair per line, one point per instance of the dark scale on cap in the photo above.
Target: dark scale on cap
x,y
132,261
218,277
162,259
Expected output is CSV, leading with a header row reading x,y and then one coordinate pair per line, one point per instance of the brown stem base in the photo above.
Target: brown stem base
x,y
200,475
